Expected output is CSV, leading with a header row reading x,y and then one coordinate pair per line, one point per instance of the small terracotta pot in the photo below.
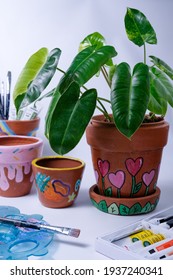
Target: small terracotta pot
x,y
19,127
123,167
58,180
16,155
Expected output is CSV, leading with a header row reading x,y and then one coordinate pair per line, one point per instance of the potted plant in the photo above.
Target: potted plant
x,y
32,81
138,103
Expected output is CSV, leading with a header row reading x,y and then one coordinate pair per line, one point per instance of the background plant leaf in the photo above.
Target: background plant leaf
x,y
138,28
28,73
130,97
42,79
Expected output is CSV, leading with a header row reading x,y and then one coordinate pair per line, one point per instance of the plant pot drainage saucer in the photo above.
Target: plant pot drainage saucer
x,y
124,206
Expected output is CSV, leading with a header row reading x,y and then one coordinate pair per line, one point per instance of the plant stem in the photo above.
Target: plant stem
x,y
104,112
104,99
145,60
62,71
105,74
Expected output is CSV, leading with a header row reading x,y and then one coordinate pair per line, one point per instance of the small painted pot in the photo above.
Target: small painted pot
x,y
16,155
19,127
58,180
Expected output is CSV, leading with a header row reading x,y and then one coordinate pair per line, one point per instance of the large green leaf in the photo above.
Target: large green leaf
x,y
130,97
30,70
70,118
138,28
85,65
42,79
161,86
162,66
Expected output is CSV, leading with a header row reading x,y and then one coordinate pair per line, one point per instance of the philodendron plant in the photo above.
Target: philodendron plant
x,y
133,92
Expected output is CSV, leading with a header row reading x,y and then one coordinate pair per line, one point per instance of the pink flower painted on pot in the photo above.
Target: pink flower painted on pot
x,y
147,177
103,166
117,179
133,166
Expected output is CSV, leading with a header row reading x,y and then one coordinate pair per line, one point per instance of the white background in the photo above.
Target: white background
x,y
26,26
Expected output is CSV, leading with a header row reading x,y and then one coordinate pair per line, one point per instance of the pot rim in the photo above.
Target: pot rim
x,y
35,163
36,142
17,121
99,119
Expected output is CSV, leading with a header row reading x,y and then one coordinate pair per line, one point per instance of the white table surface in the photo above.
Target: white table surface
x,y
85,216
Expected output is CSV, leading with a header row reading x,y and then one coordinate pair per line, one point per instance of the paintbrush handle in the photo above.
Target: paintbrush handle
x,y
55,229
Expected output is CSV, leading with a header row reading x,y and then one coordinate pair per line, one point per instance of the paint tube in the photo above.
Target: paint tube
x,y
145,242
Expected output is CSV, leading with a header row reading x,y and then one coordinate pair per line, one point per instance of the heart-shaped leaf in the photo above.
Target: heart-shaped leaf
x,y
130,97
138,28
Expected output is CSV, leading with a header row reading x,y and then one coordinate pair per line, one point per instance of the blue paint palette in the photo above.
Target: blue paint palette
x,y
18,243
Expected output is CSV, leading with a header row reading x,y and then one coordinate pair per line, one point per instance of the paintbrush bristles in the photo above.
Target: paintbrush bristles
x,y
74,232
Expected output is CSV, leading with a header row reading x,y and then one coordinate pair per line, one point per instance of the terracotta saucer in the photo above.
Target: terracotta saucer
x,y
124,206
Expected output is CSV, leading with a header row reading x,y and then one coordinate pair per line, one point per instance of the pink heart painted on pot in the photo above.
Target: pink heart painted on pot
x,y
148,177
103,167
117,179
96,175
133,166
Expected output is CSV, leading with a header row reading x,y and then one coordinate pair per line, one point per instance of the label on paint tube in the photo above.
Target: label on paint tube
x,y
145,242
134,238
164,245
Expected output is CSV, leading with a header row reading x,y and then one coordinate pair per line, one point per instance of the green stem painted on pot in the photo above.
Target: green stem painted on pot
x,y
118,193
146,191
133,185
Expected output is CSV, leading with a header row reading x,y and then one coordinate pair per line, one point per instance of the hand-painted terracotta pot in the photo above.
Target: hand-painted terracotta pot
x,y
19,127
58,180
16,155
123,167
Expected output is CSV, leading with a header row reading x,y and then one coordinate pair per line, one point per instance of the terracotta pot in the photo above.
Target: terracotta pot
x,y
124,206
58,180
16,155
123,167
19,127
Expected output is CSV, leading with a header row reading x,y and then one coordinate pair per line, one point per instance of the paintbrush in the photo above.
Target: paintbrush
x,y
54,229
